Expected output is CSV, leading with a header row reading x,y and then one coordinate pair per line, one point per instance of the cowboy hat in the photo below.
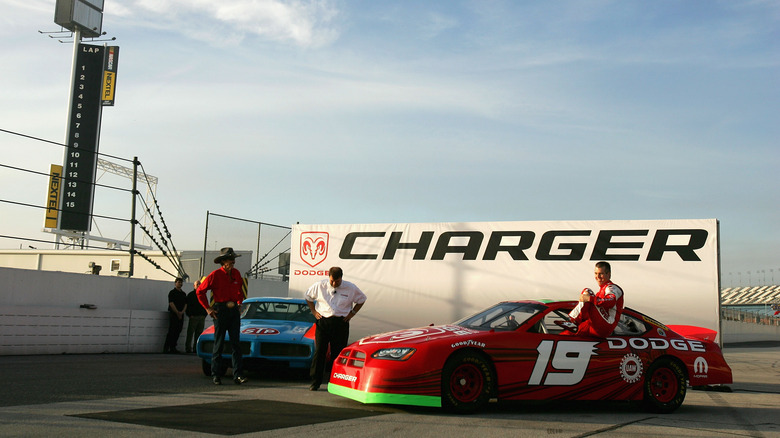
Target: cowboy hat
x,y
226,253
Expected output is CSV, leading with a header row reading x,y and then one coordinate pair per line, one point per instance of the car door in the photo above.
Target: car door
x,y
550,363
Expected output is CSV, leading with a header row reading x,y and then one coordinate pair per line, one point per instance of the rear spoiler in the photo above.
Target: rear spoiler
x,y
690,331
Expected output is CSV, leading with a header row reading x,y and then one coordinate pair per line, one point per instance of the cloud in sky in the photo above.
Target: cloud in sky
x,y
301,23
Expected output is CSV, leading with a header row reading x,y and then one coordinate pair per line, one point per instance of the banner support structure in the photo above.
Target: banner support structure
x,y
132,216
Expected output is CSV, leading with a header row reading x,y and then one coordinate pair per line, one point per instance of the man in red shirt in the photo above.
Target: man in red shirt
x,y
598,313
227,293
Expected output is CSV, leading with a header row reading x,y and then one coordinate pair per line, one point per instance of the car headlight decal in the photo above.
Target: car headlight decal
x,y
399,353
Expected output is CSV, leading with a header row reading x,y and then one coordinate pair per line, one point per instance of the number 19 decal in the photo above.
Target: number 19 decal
x,y
569,362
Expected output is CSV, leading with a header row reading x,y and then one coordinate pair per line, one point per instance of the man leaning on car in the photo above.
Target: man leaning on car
x,y
226,285
331,302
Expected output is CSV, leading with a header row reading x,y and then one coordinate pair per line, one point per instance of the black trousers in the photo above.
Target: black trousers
x,y
227,321
174,330
331,332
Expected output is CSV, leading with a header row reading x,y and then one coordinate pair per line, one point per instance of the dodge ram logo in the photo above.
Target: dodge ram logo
x,y
314,247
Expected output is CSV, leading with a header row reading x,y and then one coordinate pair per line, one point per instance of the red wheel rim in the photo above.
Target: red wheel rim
x,y
664,385
466,383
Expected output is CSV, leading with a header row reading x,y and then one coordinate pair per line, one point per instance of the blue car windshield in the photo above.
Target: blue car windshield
x,y
502,316
279,311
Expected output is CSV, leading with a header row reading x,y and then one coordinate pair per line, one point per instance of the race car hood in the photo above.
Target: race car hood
x,y
284,330
421,335
291,330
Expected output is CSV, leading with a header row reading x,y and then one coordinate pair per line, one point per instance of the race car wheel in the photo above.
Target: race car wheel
x,y
467,382
664,386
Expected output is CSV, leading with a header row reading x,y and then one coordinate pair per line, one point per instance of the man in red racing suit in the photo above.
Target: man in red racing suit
x,y
598,314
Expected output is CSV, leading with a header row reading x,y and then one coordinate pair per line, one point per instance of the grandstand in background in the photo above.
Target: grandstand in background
x,y
750,296
754,304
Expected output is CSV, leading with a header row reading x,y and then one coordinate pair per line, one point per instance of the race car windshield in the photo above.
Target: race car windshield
x,y
502,316
277,311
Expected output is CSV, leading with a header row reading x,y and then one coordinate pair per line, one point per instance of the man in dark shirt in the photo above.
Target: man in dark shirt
x,y
177,305
196,319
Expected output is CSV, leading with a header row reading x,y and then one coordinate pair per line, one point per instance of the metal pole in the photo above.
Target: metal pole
x,y
205,242
258,246
132,217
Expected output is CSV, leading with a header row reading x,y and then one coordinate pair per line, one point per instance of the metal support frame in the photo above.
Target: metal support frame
x,y
75,239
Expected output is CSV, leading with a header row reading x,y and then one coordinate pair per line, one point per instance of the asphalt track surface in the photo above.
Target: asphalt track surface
x,y
156,395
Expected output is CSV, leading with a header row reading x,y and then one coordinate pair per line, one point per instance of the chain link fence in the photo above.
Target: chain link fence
x,y
268,243
764,316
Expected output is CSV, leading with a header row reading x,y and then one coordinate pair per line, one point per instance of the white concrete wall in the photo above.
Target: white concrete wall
x,y
58,330
24,287
735,332
40,312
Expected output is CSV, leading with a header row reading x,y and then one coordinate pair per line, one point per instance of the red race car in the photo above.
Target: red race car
x,y
520,351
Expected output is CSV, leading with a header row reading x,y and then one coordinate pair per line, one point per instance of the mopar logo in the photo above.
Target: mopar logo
x,y
566,245
700,366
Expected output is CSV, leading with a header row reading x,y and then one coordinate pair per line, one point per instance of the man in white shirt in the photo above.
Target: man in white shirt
x,y
333,302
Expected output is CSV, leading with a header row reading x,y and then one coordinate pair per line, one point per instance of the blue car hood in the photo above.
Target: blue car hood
x,y
274,330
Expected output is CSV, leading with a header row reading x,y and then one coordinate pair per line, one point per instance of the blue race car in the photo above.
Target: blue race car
x,y
274,330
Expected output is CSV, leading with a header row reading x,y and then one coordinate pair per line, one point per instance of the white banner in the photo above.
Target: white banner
x,y
437,273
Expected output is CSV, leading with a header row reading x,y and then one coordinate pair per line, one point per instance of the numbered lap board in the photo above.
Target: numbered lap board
x,y
83,132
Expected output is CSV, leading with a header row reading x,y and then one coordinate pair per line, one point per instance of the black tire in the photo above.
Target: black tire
x,y
467,382
665,386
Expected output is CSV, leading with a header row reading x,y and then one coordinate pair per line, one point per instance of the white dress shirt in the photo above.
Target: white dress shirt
x,y
330,301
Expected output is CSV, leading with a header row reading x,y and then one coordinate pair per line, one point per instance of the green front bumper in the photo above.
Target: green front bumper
x,y
384,398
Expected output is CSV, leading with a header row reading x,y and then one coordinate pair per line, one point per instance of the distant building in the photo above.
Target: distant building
x,y
117,263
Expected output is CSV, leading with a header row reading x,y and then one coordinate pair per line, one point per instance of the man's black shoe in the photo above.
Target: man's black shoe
x,y
567,325
239,380
314,387
217,380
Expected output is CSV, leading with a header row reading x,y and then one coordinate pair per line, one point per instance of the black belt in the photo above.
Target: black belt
x,y
332,318
228,304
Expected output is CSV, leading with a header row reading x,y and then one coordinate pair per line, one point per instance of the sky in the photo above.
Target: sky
x,y
339,112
